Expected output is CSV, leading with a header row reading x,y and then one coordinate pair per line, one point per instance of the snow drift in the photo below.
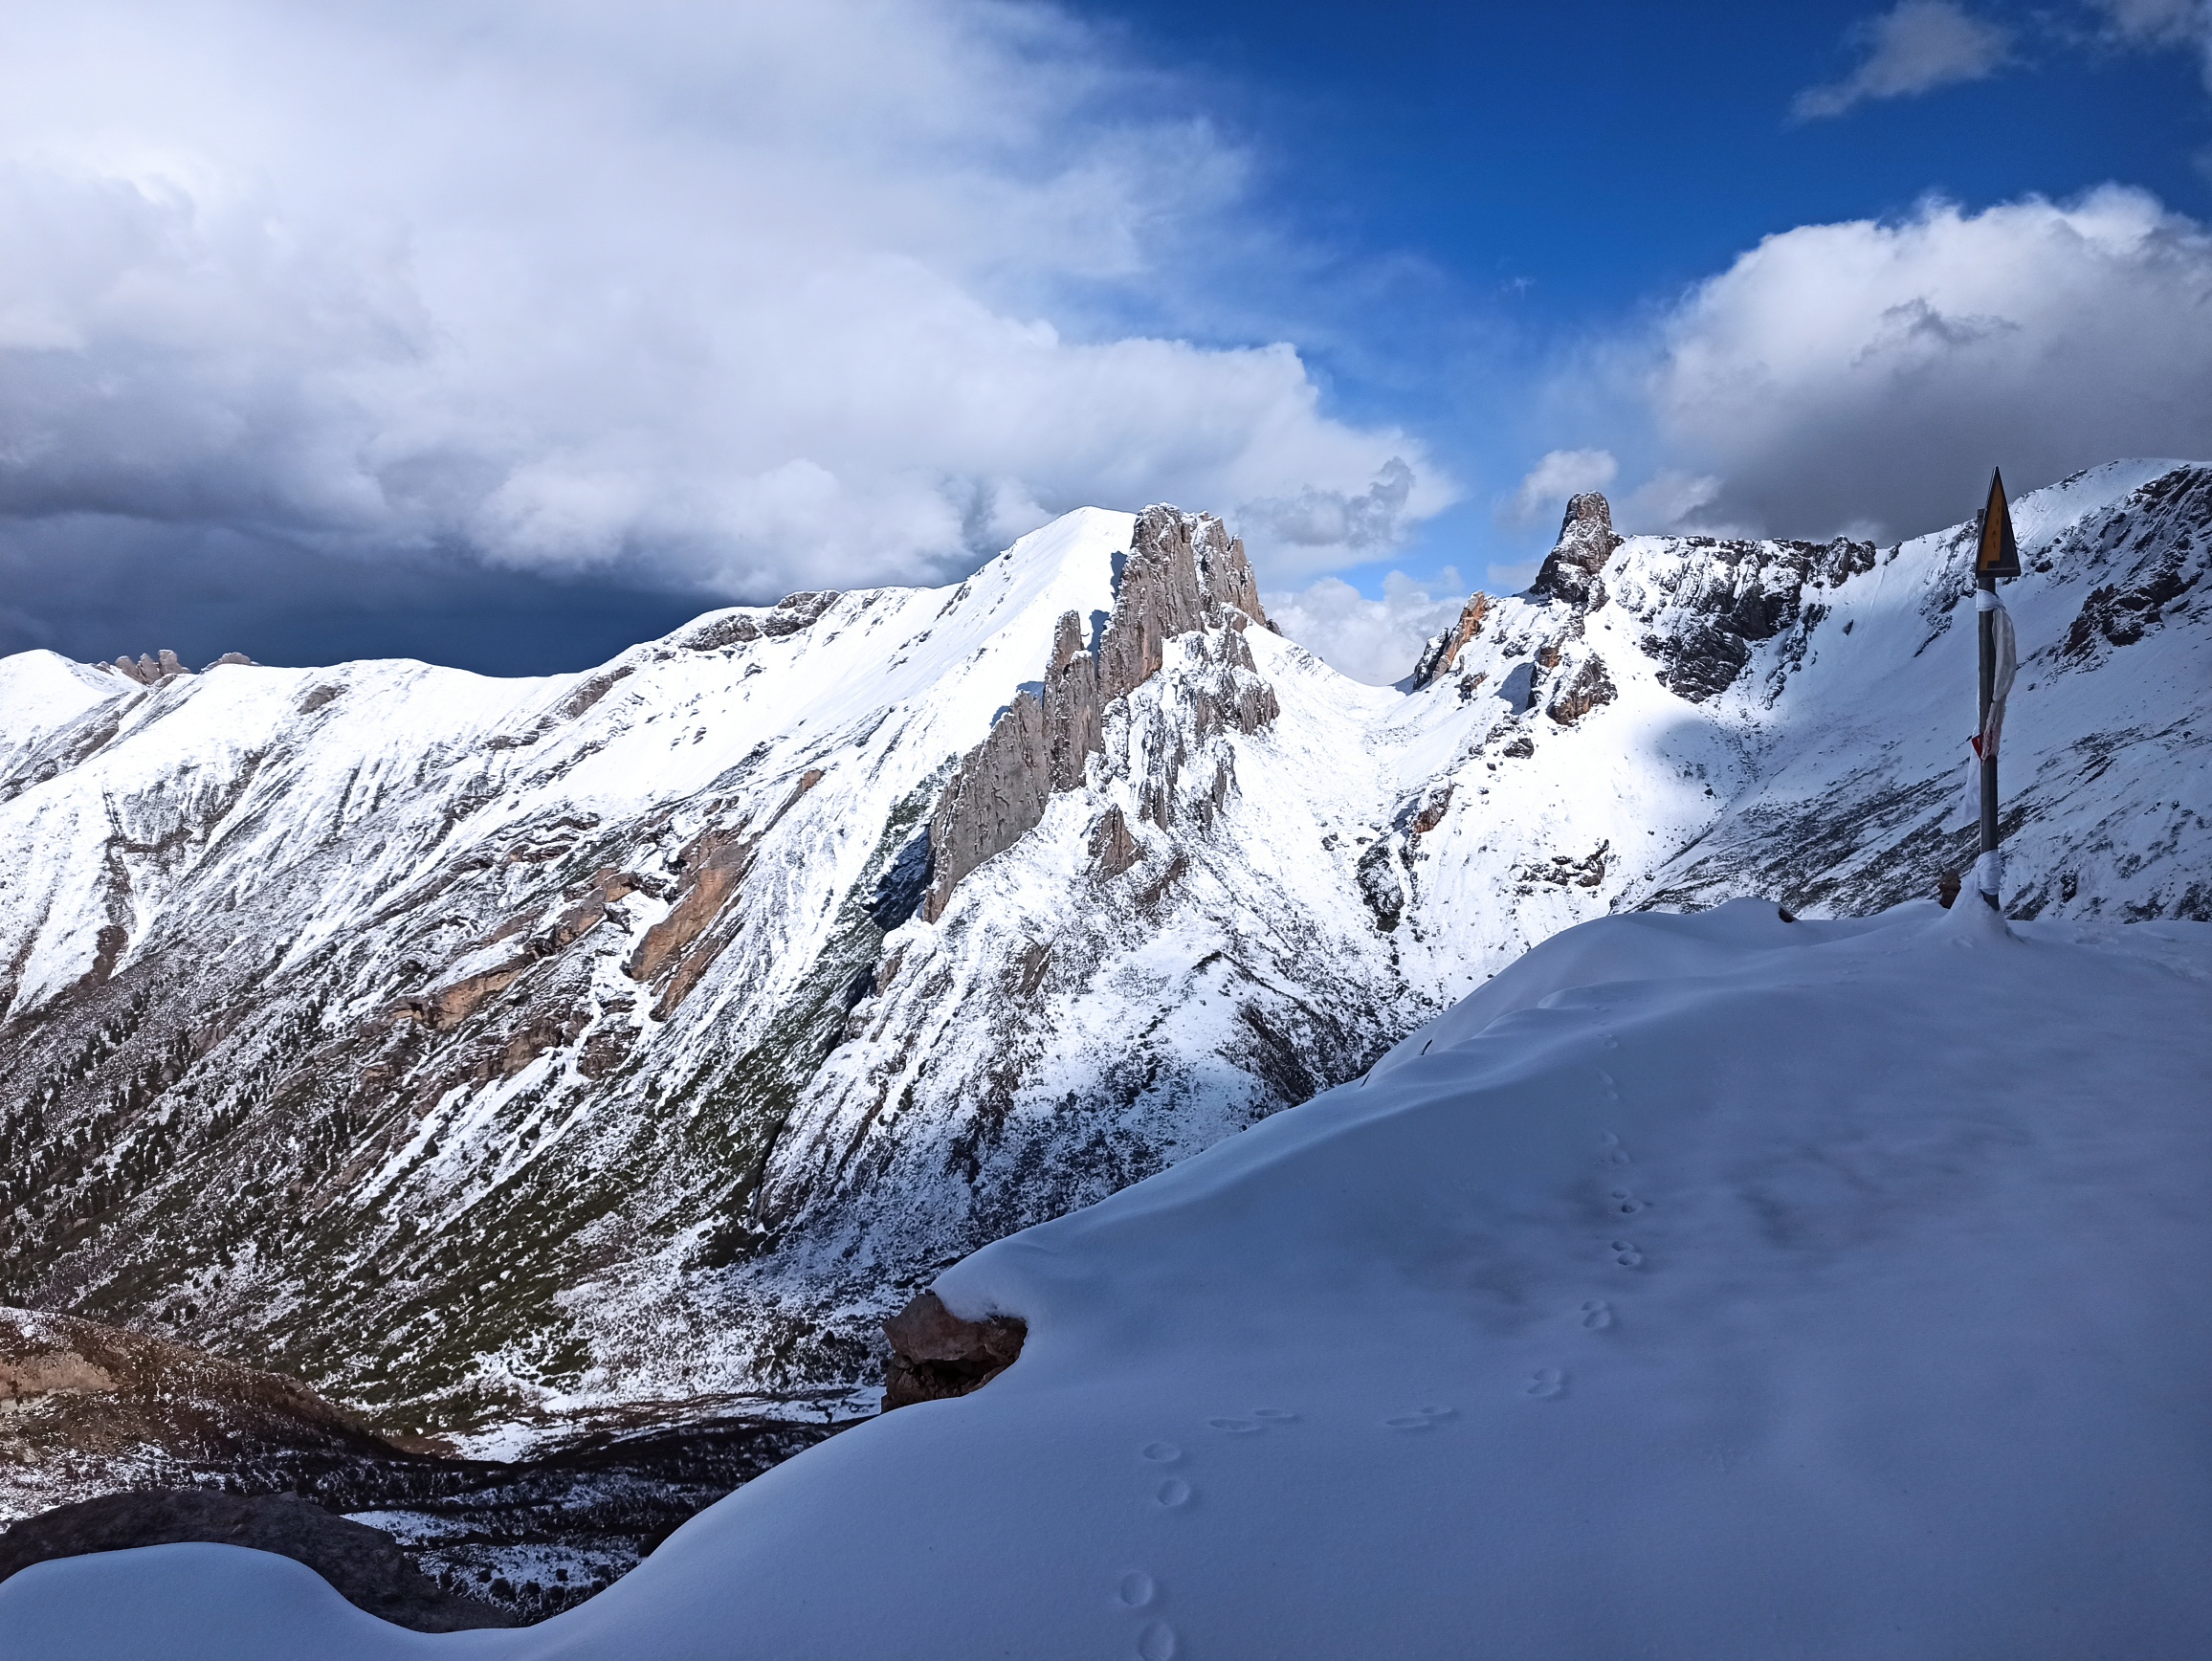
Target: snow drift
x,y
1707,1286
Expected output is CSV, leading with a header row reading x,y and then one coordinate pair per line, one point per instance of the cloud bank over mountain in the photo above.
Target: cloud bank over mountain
x,y
732,300
1862,376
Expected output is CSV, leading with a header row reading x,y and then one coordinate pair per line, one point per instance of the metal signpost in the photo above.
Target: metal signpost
x,y
1997,556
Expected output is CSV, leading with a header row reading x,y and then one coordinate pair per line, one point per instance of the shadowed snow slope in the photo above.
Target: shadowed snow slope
x,y
1705,1287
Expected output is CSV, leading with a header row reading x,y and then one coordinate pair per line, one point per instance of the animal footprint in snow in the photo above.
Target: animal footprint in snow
x,y
1157,1642
1546,1383
1421,1419
1625,1255
1172,1493
1612,1090
1236,1426
1160,1453
1136,1589
1610,1152
1625,1203
1597,1314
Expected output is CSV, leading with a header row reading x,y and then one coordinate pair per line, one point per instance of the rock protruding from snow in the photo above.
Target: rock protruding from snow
x,y
1185,573
1442,650
149,671
936,1355
1586,542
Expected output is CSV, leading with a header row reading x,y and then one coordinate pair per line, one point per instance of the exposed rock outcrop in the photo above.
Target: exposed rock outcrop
x,y
1712,600
1185,573
935,1353
1586,542
363,1564
87,1404
681,947
787,617
1584,692
1113,848
1443,650
153,671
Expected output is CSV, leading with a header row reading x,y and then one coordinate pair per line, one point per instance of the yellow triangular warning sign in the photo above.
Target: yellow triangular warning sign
x,y
2000,554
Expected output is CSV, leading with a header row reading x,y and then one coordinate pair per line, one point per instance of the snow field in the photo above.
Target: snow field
x,y
1704,1287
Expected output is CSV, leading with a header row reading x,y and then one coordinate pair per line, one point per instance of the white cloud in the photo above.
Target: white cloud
x,y
2169,23
1559,476
1377,641
750,295
1669,499
1871,372
1914,48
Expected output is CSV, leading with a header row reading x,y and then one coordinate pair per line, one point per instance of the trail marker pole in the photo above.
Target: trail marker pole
x,y
1996,555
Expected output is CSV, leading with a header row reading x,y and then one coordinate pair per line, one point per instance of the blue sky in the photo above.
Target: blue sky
x,y
506,334
1494,186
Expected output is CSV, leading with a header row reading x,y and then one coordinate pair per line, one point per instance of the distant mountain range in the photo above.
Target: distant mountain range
x,y
483,1051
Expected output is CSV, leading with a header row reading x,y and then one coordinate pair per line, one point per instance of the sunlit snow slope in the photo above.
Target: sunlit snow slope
x,y
1705,1287
480,1049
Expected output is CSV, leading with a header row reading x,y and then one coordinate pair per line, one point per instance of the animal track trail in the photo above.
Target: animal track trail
x,y
1626,1254
1546,1383
1421,1419
1597,1314
1174,1493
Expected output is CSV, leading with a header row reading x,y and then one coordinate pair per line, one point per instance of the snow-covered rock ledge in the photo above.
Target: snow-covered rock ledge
x,y
1707,1286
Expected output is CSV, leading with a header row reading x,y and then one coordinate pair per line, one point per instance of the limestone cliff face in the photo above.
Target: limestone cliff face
x,y
1184,574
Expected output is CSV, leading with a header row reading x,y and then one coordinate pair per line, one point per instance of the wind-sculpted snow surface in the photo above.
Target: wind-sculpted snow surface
x,y
1706,1287
478,1050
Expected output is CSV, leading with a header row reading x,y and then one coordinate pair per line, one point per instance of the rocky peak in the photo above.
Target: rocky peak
x,y
1586,542
1183,573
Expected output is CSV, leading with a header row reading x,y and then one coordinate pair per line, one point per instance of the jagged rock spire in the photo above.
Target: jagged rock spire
x,y
1184,573
1586,542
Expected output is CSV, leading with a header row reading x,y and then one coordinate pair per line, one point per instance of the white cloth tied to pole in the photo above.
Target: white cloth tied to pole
x,y
1989,872
2007,667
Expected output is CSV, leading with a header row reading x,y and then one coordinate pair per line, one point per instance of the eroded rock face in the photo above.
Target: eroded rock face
x,y
1589,687
935,1353
1444,651
1586,542
1184,574
363,1564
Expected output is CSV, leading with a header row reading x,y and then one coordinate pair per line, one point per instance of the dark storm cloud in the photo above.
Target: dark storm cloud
x,y
93,588
721,299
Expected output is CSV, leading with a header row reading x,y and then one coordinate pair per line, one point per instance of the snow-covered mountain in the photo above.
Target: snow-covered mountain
x,y
1705,1288
475,1048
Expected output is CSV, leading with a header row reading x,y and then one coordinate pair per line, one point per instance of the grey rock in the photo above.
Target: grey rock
x,y
1186,574
936,1355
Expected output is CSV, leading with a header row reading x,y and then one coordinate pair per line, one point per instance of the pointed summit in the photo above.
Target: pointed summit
x,y
1586,542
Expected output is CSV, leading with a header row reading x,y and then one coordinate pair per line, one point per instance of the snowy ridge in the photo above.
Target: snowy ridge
x,y
1640,1306
480,1050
